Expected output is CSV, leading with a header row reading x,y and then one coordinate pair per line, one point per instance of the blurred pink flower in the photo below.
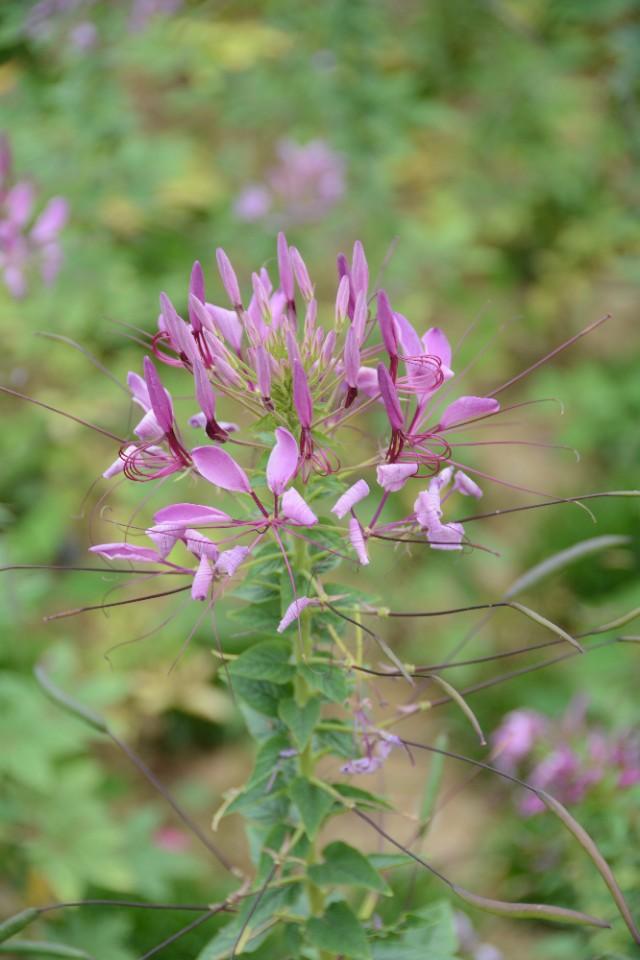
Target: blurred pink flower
x,y
306,182
27,244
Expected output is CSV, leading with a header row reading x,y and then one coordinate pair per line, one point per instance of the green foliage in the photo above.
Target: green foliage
x,y
300,720
343,865
339,931
498,143
312,802
428,932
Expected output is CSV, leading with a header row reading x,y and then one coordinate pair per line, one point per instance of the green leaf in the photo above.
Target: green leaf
x,y
427,933
39,948
254,918
263,696
267,661
267,759
338,741
17,923
388,861
254,805
339,931
312,802
301,721
364,799
330,681
344,865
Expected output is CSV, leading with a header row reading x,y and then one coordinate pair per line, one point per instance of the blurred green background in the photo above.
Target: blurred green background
x,y
487,152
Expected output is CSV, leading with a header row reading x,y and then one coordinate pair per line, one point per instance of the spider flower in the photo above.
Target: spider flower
x,y
27,244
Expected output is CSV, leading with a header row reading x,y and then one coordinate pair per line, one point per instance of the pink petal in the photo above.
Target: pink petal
x,y
138,389
205,396
15,280
393,476
467,408
368,382
158,396
427,508
360,314
409,339
356,537
164,535
351,358
202,580
359,270
227,325
19,202
357,492
199,545
362,765
177,330
51,221
301,396
464,484
229,278
296,510
301,273
126,551
229,560
293,611
342,299
190,515
436,344
387,324
441,480
390,397
283,461
219,468
446,536
118,465
148,428
285,268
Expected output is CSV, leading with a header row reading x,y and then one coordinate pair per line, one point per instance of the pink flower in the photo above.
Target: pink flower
x,y
357,492
516,737
24,248
304,184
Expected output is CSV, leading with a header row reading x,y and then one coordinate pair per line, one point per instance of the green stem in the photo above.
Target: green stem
x,y
303,693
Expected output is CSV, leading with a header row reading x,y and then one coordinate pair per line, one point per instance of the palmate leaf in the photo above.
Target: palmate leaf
x,y
312,802
346,866
427,933
268,661
262,696
301,721
253,924
339,932
328,680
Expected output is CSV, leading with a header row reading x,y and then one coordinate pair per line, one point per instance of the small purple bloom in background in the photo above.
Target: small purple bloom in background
x,y
144,11
566,757
171,839
516,737
306,182
27,244
67,23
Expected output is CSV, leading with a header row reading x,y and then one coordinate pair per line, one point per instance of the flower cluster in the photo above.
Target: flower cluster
x,y
296,385
27,244
306,182
566,757
48,19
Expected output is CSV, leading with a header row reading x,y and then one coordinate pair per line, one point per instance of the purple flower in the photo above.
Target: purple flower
x,y
516,737
357,492
27,245
304,184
